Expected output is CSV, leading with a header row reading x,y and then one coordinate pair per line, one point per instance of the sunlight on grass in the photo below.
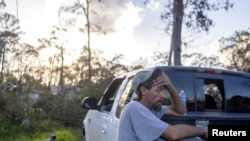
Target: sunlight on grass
x,y
43,131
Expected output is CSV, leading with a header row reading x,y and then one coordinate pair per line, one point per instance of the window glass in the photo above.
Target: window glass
x,y
109,96
200,95
238,94
125,98
213,96
183,81
210,94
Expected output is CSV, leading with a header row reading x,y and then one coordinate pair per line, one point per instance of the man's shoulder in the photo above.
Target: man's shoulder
x,y
134,105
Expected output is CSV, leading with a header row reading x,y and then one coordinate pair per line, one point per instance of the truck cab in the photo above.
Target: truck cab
x,y
213,97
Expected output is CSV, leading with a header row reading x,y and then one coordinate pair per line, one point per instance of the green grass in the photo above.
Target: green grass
x,y
40,132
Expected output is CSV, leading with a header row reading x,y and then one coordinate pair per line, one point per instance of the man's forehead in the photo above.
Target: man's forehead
x,y
160,86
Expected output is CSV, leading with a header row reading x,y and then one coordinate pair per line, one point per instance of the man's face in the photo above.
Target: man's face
x,y
155,97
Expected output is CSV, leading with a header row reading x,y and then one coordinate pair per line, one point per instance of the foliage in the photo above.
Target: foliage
x,y
65,105
9,36
196,12
236,50
140,63
192,14
5,129
45,105
197,59
13,80
36,119
2,4
161,57
64,135
14,132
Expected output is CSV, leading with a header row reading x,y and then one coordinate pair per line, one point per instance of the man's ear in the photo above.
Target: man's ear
x,y
143,90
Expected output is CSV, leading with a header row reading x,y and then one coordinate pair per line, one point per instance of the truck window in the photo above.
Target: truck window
x,y
238,94
213,96
210,94
183,81
109,95
125,98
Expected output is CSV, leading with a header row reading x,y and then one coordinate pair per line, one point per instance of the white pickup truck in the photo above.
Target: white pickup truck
x,y
210,100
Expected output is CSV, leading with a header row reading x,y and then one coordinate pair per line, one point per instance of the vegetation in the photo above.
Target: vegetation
x,y
192,14
236,50
44,129
42,97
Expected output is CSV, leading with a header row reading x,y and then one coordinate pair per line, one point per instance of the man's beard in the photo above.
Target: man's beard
x,y
156,107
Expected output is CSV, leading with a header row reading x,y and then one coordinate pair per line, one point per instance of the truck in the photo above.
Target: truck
x,y
215,97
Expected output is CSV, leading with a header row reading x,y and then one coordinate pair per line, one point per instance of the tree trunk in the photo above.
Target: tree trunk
x,y
3,60
61,80
86,13
89,50
170,57
176,33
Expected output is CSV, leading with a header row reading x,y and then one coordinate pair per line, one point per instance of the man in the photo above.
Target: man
x,y
140,119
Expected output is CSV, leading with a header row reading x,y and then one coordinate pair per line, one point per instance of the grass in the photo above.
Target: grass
x,y
41,131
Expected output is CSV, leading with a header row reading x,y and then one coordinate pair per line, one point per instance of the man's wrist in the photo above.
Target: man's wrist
x,y
204,132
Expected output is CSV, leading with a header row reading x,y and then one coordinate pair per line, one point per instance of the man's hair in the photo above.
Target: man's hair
x,y
148,84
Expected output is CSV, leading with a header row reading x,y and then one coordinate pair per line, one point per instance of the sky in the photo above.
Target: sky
x,y
137,30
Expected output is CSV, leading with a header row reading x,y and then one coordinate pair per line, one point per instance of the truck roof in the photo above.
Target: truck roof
x,y
210,70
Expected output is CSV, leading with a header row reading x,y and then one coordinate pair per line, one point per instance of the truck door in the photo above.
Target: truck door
x,y
121,100
99,120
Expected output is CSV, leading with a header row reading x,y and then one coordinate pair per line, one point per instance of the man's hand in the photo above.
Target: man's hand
x,y
205,133
162,80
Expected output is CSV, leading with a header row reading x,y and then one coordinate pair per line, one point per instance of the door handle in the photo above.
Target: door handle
x,y
103,131
104,127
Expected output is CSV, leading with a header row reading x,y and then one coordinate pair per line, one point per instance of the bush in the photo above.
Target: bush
x,y
7,128
65,135
43,130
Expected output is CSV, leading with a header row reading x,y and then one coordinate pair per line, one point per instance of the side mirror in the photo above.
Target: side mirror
x,y
89,103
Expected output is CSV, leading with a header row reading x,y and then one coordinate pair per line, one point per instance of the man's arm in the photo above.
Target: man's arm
x,y
179,131
177,107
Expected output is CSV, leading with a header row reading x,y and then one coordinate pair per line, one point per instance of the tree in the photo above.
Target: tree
x,y
198,59
161,58
84,8
24,55
2,4
9,37
56,43
140,63
191,13
237,50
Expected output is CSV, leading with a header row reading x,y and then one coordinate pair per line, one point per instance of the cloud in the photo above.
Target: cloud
x,y
118,16
154,4
109,15
122,17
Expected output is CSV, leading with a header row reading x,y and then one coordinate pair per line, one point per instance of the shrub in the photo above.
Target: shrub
x,y
65,135
15,132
